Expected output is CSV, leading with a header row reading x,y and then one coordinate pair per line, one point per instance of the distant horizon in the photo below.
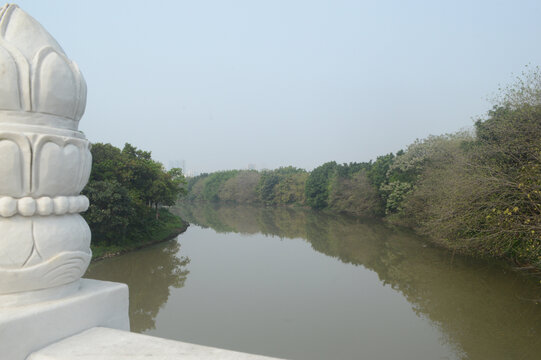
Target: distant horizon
x,y
277,83
254,166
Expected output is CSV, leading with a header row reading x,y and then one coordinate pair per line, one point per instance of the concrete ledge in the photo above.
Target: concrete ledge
x,y
109,344
25,329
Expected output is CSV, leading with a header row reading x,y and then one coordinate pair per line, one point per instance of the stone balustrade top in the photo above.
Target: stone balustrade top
x,y
110,344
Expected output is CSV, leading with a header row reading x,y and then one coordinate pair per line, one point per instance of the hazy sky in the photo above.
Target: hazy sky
x,y
222,84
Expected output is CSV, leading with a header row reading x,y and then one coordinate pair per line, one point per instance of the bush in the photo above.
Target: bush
x,y
355,195
483,196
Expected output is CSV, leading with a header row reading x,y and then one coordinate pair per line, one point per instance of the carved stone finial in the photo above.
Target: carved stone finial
x,y
37,76
44,162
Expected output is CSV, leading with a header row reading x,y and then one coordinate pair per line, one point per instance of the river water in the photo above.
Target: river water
x,y
298,284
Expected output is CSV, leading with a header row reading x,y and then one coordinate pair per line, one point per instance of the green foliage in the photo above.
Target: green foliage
x,y
317,185
195,186
214,183
283,186
241,188
395,192
126,189
290,188
355,195
110,212
483,196
348,170
408,166
265,188
377,173
507,155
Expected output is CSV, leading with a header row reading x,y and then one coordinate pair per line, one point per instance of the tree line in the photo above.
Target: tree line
x,y
127,190
476,192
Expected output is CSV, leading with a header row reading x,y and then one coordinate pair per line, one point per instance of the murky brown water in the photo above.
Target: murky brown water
x,y
303,285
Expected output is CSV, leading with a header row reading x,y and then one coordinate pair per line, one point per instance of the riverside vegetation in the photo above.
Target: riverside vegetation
x,y
128,190
474,192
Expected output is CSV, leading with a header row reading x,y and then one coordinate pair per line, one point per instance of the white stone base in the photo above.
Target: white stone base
x,y
109,344
26,329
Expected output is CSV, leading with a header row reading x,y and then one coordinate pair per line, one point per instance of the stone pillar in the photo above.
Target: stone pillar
x,y
45,162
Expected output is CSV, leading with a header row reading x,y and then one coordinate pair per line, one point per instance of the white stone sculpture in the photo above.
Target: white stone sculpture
x,y
44,164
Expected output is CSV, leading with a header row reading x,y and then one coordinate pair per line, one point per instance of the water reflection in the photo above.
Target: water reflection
x,y
483,309
149,273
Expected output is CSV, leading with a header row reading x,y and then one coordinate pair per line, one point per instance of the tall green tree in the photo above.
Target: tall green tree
x,y
317,185
126,189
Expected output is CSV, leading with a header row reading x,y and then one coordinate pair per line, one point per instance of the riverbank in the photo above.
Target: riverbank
x,y
475,192
167,227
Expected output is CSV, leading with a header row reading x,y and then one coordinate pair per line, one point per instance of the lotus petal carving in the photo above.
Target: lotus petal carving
x,y
54,159
16,242
17,27
9,80
15,162
52,235
64,268
35,73
54,84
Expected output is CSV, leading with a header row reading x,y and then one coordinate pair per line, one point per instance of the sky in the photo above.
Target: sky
x,y
217,85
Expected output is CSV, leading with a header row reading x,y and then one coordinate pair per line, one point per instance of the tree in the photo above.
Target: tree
x,y
110,212
317,185
123,188
355,195
405,170
265,188
483,196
